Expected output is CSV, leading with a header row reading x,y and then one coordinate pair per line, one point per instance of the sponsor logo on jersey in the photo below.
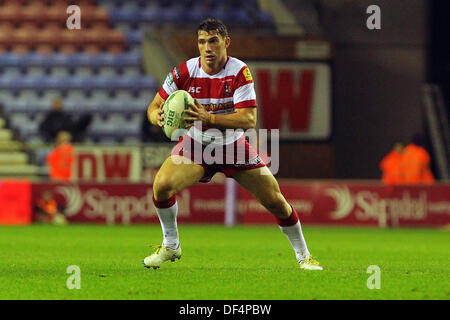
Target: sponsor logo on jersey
x,y
219,106
194,89
169,79
247,74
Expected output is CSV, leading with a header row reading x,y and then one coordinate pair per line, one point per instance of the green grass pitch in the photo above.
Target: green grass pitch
x,y
243,262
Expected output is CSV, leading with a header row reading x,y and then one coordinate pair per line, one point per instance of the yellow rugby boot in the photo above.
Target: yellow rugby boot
x,y
161,255
309,263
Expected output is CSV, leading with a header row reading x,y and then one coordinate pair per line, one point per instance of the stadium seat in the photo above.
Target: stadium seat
x,y
83,72
115,48
59,71
56,13
75,82
33,59
150,16
49,36
9,59
73,37
67,49
121,15
44,49
240,17
128,59
24,36
133,37
81,59
114,37
92,48
108,71
58,60
94,36
102,60
34,12
11,12
21,48
131,71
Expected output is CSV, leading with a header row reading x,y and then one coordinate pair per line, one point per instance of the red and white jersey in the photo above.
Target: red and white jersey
x,y
222,93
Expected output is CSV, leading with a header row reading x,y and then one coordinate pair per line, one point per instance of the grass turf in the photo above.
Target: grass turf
x,y
251,262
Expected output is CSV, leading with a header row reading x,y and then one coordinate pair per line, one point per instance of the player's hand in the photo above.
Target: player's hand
x,y
157,116
197,112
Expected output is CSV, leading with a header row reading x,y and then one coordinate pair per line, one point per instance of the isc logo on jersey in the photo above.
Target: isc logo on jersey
x,y
247,74
194,89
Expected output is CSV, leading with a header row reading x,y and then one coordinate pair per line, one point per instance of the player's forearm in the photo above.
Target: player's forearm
x,y
233,121
154,106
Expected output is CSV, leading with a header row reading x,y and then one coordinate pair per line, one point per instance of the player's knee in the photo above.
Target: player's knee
x,y
276,204
162,188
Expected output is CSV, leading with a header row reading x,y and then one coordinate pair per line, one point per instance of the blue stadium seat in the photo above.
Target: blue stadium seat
x,y
133,37
58,60
29,82
150,16
9,59
81,59
121,83
127,59
147,82
33,59
53,82
99,82
124,15
76,82
103,59
173,15
240,17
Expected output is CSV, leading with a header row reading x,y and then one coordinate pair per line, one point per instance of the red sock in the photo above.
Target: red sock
x,y
165,204
290,221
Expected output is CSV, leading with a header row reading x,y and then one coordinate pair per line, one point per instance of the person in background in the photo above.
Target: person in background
x,y
48,210
60,159
415,163
55,121
390,166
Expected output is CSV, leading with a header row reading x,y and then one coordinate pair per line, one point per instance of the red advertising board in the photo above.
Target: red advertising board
x,y
15,198
336,203
106,163
329,203
132,203
294,97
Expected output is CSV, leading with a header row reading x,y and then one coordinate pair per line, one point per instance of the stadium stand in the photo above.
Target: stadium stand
x,y
95,69
98,69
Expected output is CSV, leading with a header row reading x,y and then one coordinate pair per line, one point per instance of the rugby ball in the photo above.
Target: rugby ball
x,y
173,111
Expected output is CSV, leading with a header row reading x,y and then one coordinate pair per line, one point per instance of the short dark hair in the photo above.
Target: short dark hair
x,y
213,24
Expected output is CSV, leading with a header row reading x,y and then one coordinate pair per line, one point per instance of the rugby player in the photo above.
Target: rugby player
x,y
224,98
